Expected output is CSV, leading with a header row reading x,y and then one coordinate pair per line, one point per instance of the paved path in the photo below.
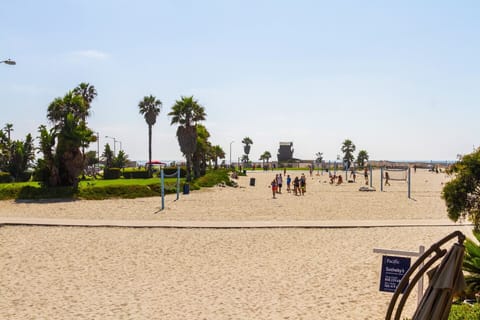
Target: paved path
x,y
227,224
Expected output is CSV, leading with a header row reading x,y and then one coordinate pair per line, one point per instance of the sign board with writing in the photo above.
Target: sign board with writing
x,y
393,269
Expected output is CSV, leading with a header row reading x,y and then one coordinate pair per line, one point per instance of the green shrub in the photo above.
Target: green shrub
x,y
31,192
464,311
25,176
116,191
5,177
111,173
172,170
136,174
212,178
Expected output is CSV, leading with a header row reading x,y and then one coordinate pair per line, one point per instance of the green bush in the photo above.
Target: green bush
x,y
5,177
172,170
212,178
25,176
30,192
464,311
136,174
116,191
111,173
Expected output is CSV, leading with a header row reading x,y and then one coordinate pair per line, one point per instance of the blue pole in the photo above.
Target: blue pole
x,y
178,182
162,188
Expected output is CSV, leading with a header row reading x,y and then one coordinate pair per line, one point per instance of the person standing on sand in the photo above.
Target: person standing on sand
x,y
303,184
387,178
279,183
289,181
365,174
296,186
274,187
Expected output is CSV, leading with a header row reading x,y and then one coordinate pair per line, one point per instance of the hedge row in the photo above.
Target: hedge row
x,y
5,177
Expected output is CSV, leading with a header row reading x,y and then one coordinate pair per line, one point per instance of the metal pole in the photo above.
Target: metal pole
x,y
178,182
408,178
381,178
231,153
371,178
97,167
162,188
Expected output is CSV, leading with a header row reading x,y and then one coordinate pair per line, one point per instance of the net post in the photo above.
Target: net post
x,y
408,180
371,178
381,179
162,187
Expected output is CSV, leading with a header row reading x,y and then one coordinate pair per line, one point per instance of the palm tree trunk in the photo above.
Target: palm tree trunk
x,y
189,164
150,150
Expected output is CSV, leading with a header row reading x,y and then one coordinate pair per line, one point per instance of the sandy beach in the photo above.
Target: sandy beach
x,y
169,273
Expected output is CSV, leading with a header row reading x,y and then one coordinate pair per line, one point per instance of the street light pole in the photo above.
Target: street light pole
x,y
97,167
9,62
114,144
231,153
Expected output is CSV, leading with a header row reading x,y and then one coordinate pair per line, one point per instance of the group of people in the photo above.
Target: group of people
x,y
299,184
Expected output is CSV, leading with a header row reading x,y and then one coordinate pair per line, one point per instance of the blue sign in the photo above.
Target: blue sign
x,y
393,269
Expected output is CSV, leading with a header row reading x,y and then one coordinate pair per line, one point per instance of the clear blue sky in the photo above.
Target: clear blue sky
x,y
400,79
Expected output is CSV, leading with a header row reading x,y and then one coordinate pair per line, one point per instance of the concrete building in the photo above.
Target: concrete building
x,y
285,151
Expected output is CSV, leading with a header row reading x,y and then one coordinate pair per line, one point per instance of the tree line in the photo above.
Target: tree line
x,y
62,144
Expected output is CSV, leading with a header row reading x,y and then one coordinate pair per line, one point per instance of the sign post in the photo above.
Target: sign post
x,y
394,267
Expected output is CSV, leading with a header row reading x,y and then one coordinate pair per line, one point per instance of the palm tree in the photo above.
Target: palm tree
x,y
60,107
186,112
362,158
150,108
471,263
202,151
217,153
265,156
8,128
88,93
71,133
348,148
247,142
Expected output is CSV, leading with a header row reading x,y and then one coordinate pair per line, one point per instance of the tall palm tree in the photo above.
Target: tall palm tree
x,y
60,107
88,93
186,112
348,148
265,156
247,142
8,128
362,158
217,153
202,152
150,108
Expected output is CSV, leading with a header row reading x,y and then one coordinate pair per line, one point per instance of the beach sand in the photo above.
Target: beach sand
x,y
161,273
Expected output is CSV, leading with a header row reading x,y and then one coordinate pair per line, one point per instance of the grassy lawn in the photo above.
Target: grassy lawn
x,y
98,189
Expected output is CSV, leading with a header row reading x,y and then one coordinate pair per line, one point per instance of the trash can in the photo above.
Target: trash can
x,y
245,172
186,188
252,182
